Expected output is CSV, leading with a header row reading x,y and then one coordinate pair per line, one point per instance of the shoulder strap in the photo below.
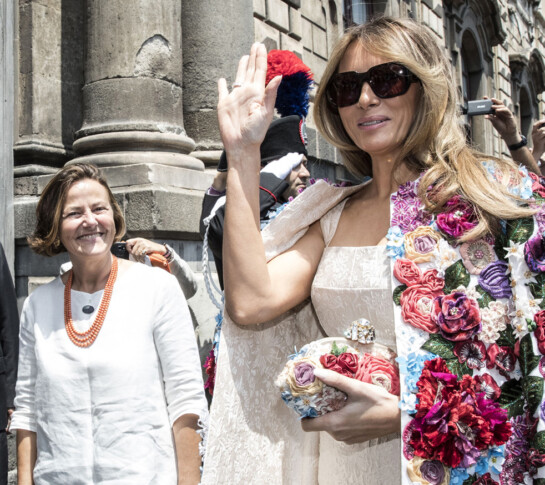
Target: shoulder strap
x,y
330,220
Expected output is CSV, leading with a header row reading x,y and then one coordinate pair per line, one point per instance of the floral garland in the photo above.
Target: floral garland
x,y
473,329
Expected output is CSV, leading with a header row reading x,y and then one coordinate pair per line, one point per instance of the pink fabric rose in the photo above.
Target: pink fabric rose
x,y
378,371
416,305
458,218
538,184
407,272
457,316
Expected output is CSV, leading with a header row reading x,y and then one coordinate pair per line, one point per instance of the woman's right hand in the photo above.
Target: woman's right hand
x,y
245,113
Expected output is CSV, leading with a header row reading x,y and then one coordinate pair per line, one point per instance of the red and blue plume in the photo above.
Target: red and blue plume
x,y
293,92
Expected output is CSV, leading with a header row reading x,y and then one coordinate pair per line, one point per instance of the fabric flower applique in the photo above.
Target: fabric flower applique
x,y
457,317
378,371
477,255
487,384
408,211
421,243
417,299
493,321
428,472
521,461
485,479
502,358
458,218
454,424
534,253
538,184
494,280
524,189
395,246
471,352
539,332
411,367
444,256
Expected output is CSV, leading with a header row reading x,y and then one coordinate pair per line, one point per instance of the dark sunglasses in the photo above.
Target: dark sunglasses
x,y
386,80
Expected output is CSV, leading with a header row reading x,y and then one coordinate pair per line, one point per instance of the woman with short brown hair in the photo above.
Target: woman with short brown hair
x,y
109,386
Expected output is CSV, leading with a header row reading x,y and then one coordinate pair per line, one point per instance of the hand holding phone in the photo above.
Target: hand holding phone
x,y
119,249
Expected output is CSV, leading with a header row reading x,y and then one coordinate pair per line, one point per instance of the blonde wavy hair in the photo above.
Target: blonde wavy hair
x,y
436,140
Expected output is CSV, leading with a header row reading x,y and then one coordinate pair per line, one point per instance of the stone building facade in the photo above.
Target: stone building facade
x,y
130,85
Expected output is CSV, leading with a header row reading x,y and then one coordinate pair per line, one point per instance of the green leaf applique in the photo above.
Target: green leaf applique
x,y
538,288
336,350
517,394
520,230
507,338
539,441
485,298
527,358
397,293
456,275
444,348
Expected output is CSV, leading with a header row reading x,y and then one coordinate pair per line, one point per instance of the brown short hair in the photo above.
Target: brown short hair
x,y
46,237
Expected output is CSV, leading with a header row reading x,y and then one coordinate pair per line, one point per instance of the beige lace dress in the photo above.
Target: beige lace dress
x,y
354,282
254,437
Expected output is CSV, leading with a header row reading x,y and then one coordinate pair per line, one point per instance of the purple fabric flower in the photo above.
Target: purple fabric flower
x,y
542,411
457,316
458,218
523,430
433,471
304,374
539,216
495,281
408,212
534,253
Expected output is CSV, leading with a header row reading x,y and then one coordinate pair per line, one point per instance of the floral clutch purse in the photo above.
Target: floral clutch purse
x,y
368,362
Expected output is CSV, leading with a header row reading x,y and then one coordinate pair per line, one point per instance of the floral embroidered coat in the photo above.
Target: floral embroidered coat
x,y
470,333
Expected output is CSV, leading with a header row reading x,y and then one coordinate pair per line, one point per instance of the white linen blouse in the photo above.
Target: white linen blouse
x,y
103,414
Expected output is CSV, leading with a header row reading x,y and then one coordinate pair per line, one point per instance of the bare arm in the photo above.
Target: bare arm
x,y
538,141
504,123
26,456
186,440
254,290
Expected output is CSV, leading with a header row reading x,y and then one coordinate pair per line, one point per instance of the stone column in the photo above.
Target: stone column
x,y
7,115
215,36
50,78
132,94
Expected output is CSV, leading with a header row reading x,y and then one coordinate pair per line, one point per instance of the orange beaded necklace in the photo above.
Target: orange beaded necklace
x,y
85,339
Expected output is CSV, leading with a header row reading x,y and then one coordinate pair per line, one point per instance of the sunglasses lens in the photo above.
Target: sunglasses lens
x,y
389,80
386,80
346,89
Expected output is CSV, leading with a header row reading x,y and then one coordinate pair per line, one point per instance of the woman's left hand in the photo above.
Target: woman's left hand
x,y
140,247
245,113
370,411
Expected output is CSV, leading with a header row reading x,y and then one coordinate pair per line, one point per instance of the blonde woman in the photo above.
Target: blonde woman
x,y
428,228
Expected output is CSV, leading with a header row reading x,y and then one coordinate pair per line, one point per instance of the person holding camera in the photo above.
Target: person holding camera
x,y
162,255
504,122
538,142
109,387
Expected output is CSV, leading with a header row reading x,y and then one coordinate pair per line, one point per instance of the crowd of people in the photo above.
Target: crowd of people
x,y
440,250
